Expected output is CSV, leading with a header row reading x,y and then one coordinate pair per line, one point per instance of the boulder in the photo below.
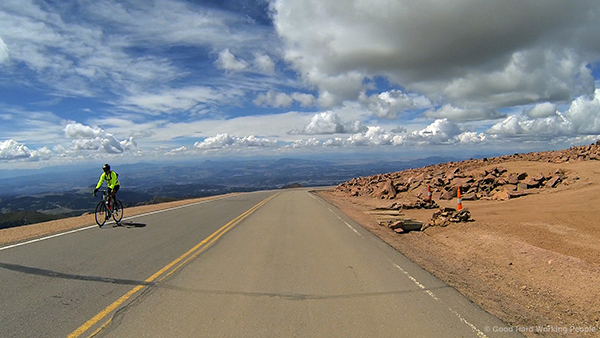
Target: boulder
x,y
448,195
470,196
552,181
513,178
443,217
385,191
501,195
531,182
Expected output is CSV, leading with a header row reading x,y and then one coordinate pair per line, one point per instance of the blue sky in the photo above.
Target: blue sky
x,y
126,81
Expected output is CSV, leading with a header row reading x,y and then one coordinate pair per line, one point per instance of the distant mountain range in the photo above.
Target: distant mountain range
x,y
59,192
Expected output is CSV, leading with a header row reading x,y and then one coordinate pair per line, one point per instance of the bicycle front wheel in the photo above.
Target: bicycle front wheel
x,y
118,211
100,213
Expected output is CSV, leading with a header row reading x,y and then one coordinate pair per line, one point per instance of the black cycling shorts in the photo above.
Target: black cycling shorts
x,y
115,189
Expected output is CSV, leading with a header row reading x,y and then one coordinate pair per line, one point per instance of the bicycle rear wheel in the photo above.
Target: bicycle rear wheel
x,y
100,213
118,211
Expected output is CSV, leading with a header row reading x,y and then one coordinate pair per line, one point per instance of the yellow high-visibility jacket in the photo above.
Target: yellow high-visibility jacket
x,y
111,180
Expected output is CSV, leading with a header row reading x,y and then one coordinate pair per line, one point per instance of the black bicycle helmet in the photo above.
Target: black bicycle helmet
x,y
106,167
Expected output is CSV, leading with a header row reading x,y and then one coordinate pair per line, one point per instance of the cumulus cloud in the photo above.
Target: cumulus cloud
x,y
582,118
545,109
226,141
11,149
264,64
374,135
465,52
329,123
584,114
439,132
86,138
308,143
389,103
228,62
41,154
305,100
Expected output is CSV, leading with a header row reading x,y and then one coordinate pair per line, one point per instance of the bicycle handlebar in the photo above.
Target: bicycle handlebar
x,y
104,192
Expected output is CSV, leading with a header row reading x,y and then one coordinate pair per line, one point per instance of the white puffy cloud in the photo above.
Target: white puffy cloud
x,y
545,109
581,119
440,131
334,142
86,138
546,127
374,135
227,61
305,100
584,114
128,144
308,143
509,126
12,149
226,141
264,64
389,103
329,123
467,53
42,154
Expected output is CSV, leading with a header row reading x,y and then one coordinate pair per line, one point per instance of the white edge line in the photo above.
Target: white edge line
x,y
340,218
432,295
47,237
95,226
414,280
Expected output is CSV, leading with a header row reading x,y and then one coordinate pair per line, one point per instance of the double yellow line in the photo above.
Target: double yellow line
x,y
165,272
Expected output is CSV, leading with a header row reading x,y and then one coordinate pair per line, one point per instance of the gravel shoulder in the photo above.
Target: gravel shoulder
x,y
533,261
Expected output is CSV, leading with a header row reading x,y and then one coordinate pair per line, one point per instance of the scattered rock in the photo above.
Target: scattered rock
x,y
403,225
446,216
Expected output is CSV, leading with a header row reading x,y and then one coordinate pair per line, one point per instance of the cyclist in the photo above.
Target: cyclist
x,y
112,182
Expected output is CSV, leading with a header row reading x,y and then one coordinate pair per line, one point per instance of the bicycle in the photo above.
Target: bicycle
x,y
103,212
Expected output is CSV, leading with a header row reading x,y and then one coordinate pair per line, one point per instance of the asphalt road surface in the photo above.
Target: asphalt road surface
x,y
267,264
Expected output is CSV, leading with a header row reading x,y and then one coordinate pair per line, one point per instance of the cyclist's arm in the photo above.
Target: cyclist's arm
x,y
100,181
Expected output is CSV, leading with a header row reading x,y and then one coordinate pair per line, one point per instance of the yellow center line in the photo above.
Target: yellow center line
x,y
186,257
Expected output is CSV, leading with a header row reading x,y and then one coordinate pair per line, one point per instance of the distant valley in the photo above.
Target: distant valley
x,y
56,193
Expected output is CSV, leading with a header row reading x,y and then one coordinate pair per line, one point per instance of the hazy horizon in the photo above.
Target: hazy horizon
x,y
113,81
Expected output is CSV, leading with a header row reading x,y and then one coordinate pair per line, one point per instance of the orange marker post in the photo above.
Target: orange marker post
x,y
459,200
429,199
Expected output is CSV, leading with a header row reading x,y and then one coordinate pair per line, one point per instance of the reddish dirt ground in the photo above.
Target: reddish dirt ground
x,y
532,260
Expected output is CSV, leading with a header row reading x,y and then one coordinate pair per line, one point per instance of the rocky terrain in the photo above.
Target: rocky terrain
x,y
477,179
525,246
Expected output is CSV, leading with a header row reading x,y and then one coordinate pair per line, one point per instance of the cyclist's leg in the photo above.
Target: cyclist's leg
x,y
114,193
110,194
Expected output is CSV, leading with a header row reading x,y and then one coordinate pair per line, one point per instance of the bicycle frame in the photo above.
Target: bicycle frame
x,y
114,209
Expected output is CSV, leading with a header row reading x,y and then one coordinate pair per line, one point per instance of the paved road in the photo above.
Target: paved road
x,y
268,264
